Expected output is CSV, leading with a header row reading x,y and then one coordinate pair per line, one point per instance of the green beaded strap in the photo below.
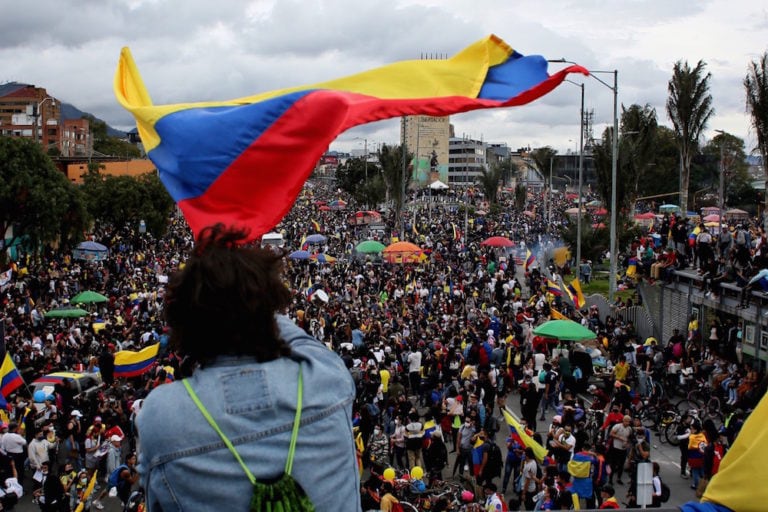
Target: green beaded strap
x,y
228,443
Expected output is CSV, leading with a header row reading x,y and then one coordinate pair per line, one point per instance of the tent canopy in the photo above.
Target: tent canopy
x,y
438,185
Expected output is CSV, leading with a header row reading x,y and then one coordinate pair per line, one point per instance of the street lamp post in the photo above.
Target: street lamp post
x,y
721,191
581,174
614,166
550,190
37,113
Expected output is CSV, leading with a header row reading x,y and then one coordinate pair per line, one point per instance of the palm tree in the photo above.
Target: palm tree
x,y
637,146
489,180
395,177
756,85
543,157
689,107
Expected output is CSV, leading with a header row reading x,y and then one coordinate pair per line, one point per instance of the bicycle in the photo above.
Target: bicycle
x,y
708,402
670,431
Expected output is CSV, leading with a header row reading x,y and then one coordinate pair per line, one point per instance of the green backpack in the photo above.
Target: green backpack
x,y
280,494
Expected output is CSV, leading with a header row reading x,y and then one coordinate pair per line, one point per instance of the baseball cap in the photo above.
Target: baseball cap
x,y
76,413
592,388
115,439
97,419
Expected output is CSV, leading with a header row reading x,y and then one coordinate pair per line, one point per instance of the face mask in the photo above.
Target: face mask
x,y
83,480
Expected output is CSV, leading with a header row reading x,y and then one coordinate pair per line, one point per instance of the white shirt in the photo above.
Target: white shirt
x,y
13,443
414,361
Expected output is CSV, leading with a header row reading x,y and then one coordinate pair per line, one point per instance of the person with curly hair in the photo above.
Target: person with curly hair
x,y
278,395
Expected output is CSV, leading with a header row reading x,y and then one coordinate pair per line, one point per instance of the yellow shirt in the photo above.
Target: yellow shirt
x,y
620,371
384,374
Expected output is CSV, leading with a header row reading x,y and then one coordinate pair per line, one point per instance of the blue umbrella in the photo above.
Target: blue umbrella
x,y
299,255
324,258
315,239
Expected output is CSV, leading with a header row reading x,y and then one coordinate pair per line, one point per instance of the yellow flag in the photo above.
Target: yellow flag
x,y
538,451
745,460
556,315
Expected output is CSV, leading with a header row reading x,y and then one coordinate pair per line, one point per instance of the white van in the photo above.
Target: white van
x,y
273,240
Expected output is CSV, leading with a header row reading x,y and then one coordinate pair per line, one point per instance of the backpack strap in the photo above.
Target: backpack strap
x,y
228,443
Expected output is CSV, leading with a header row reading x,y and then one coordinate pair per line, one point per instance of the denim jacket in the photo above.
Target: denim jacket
x,y
184,464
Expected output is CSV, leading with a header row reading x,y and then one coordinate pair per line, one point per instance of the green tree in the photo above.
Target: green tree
x,y
126,200
665,164
726,151
637,149
489,180
521,195
689,107
396,178
350,175
34,196
543,157
756,86
108,145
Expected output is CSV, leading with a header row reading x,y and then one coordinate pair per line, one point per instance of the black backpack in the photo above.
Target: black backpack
x,y
665,492
494,464
491,424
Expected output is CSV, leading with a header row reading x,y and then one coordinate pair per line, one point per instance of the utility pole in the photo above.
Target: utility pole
x,y
721,191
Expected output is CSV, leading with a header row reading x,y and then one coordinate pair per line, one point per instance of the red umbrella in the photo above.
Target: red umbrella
x,y
498,241
645,216
325,208
601,211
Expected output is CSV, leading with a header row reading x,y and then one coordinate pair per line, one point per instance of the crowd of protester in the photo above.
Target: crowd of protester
x,y
436,348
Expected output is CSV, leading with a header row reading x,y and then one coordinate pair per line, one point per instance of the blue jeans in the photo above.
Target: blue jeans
x,y
550,399
511,467
696,474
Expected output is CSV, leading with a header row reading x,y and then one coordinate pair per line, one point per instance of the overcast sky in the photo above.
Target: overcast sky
x,y
193,50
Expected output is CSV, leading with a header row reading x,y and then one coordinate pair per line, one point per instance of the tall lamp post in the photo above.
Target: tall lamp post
x,y
37,111
721,191
581,173
614,165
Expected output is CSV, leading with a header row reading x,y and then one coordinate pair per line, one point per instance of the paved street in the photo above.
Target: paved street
x,y
667,456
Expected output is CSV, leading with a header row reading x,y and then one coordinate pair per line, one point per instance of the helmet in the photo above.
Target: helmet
x,y
467,496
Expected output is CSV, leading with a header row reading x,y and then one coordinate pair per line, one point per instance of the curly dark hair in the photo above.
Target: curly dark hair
x,y
225,298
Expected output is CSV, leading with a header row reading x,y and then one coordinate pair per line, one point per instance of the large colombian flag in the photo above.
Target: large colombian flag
x,y
243,162
132,364
10,378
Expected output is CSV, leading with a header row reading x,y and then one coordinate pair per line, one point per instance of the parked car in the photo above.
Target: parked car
x,y
86,385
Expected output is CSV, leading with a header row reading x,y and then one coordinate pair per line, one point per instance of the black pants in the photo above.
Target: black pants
x,y
616,459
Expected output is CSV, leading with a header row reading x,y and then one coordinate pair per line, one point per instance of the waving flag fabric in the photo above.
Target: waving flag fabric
x,y
632,267
514,427
553,288
530,259
10,378
132,364
574,293
243,162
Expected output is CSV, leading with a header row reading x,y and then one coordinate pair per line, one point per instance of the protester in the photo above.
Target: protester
x,y
263,374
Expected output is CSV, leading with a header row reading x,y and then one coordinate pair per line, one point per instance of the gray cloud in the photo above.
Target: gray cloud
x,y
198,50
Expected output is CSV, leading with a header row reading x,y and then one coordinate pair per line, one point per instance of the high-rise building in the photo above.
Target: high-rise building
x,y
426,137
466,160
30,112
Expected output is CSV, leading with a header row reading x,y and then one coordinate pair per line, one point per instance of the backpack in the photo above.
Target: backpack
x,y
114,477
494,464
665,492
491,424
542,377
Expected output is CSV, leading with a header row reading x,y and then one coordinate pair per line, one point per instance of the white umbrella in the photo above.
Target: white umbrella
x,y
320,294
